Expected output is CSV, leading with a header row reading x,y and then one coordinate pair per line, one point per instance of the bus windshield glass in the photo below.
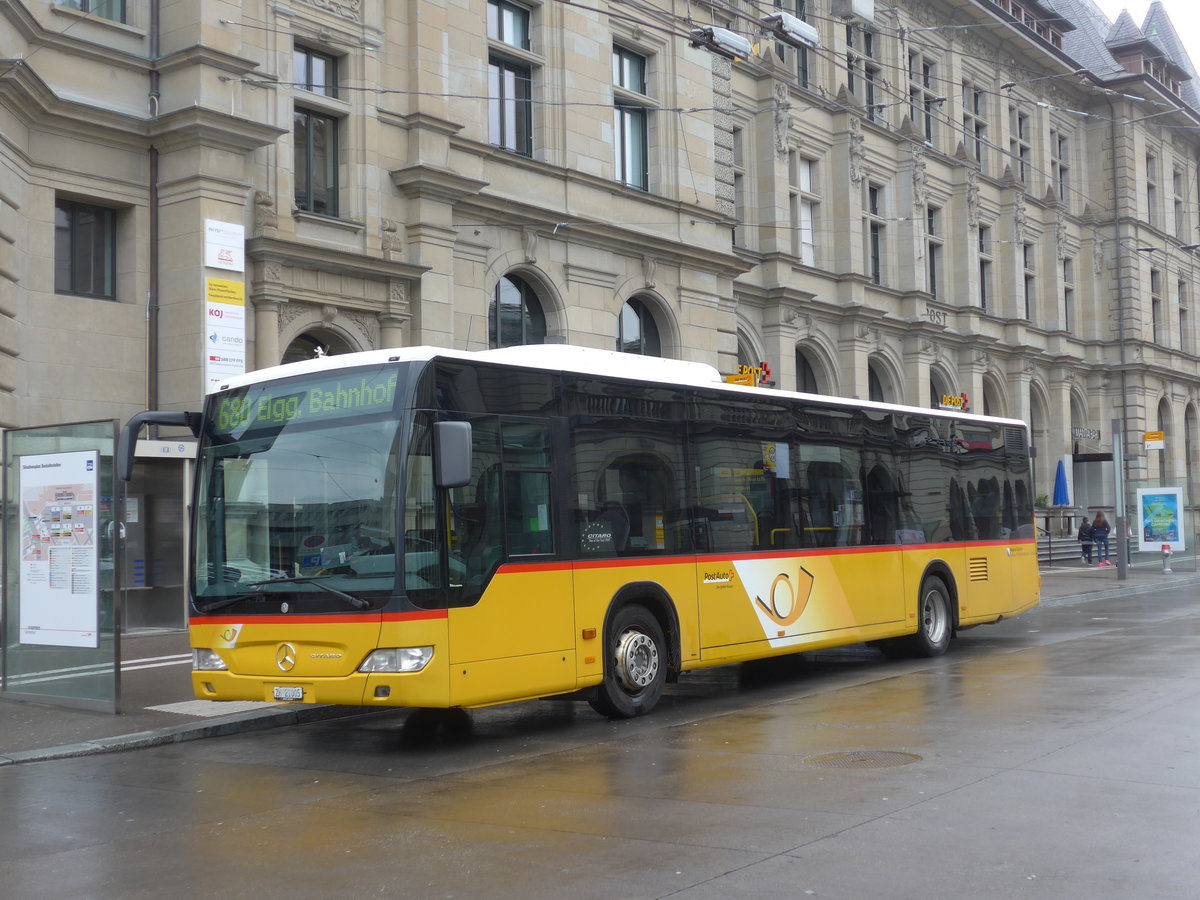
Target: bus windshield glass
x,y
297,494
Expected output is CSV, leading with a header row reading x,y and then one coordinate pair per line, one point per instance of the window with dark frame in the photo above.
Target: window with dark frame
x,y
1030,279
314,71
922,94
1068,274
510,79
515,317
985,266
316,163
637,332
114,10
933,248
85,249
875,234
1019,148
630,120
975,121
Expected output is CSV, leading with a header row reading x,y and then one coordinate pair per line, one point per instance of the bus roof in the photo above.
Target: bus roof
x,y
583,361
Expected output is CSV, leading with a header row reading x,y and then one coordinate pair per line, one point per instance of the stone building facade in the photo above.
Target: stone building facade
x,y
914,202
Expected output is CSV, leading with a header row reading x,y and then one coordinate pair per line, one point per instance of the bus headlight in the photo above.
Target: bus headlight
x,y
208,660
397,659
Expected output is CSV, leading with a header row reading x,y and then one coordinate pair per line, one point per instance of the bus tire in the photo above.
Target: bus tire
x,y
635,665
935,623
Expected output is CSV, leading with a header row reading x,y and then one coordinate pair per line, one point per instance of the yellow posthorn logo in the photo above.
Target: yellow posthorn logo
x,y
787,612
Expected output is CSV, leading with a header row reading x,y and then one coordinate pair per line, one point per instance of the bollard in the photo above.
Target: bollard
x,y
1166,552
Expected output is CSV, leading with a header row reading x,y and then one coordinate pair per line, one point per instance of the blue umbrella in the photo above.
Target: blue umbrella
x,y
1061,497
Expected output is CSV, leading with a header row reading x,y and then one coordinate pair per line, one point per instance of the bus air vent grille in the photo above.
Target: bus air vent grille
x,y
978,568
1014,440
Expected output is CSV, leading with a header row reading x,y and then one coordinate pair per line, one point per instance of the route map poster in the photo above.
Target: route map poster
x,y
1160,520
59,560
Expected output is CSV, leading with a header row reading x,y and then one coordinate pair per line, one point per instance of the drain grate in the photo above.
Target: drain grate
x,y
862,759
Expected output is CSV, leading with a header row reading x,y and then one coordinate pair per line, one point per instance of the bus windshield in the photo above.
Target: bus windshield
x,y
297,494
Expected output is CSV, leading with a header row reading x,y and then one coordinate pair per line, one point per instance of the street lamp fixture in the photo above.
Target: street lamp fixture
x,y
793,31
721,41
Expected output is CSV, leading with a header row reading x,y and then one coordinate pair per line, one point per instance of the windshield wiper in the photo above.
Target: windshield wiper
x,y
222,602
356,602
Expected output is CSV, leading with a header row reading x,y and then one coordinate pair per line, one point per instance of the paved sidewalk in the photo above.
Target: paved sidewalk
x,y
158,706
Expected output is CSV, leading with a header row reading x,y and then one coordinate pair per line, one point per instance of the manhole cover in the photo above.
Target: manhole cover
x,y
862,759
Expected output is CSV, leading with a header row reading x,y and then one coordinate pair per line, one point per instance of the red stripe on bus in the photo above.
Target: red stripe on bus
x,y
630,562
321,620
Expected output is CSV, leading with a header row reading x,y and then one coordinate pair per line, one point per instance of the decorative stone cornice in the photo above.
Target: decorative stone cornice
x,y
203,127
434,182
209,57
273,252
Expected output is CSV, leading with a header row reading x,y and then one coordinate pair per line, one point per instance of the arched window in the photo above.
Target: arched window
x,y
745,351
937,389
515,315
806,376
637,331
874,385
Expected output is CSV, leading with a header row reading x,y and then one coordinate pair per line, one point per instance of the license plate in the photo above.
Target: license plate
x,y
288,693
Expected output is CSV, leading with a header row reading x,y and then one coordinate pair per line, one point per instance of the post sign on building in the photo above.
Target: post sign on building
x,y
959,402
1155,440
224,331
224,350
224,246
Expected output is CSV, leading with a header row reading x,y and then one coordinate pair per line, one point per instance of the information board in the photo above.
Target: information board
x,y
59,569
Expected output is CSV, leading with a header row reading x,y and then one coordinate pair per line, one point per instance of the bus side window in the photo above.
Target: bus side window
x,y
527,500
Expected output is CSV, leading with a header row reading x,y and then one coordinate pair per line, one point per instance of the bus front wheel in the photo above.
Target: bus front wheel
x,y
934,621
635,662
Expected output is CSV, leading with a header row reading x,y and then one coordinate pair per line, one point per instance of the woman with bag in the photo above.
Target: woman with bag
x,y
1086,536
1100,531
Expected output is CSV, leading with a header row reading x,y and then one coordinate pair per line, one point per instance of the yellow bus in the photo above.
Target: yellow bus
x,y
429,528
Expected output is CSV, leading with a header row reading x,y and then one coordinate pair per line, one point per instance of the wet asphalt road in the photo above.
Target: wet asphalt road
x,y
1056,755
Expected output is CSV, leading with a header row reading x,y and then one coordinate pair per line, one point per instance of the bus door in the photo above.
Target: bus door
x,y
985,501
511,614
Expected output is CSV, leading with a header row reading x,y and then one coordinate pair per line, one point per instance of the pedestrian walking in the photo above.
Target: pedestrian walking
x,y
1100,531
1086,536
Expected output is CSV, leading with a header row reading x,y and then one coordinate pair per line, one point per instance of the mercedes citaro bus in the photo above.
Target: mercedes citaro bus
x,y
430,528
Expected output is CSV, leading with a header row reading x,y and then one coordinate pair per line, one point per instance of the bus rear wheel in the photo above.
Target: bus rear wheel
x,y
934,621
635,665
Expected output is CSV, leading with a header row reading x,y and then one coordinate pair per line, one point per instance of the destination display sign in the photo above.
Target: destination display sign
x,y
341,395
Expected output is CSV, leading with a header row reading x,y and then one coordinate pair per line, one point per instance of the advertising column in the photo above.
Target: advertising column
x,y
224,303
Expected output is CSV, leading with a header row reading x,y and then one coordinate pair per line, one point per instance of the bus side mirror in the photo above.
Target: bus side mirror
x,y
452,453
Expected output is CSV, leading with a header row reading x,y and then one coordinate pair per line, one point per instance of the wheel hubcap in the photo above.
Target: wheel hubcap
x,y
637,661
934,619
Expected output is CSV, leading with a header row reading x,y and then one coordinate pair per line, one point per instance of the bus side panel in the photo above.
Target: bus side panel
x,y
517,641
1026,578
1000,580
761,606
598,582
917,562
985,593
